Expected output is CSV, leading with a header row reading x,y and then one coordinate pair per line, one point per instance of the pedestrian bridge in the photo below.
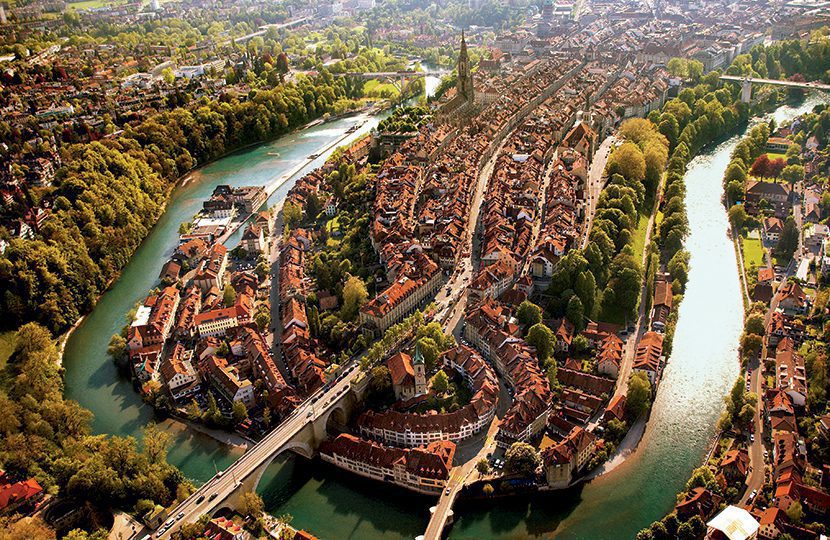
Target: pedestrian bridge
x,y
301,433
747,82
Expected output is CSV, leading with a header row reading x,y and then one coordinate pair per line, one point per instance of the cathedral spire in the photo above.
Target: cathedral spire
x,y
465,77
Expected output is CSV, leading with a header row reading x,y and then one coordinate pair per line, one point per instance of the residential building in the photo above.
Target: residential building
x,y
423,470
566,459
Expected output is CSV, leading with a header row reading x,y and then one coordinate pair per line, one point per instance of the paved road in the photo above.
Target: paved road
x,y
641,327
594,182
755,479
459,477
212,494
756,476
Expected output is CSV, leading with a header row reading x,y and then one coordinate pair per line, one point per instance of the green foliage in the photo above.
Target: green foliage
x,y
627,161
638,398
229,295
543,340
354,296
250,504
440,382
521,458
529,313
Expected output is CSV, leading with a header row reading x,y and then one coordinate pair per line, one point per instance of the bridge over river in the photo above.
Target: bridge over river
x,y
301,433
747,82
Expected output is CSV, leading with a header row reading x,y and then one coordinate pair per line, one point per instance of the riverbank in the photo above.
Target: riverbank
x,y
189,176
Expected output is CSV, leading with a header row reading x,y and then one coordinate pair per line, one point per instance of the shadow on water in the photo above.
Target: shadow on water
x,y
532,516
333,503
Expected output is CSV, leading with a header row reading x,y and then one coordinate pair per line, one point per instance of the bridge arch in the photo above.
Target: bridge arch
x,y
335,419
300,448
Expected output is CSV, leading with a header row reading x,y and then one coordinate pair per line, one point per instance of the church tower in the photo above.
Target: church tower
x,y
465,75
419,367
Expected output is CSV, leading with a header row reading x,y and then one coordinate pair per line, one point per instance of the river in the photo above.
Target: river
x,y
332,504
702,367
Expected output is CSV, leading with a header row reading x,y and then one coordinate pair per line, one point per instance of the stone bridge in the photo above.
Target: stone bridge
x,y
327,410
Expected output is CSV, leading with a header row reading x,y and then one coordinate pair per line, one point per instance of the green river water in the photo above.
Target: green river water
x,y
332,504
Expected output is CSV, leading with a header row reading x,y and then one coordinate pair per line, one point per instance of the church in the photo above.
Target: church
x,y
462,104
408,375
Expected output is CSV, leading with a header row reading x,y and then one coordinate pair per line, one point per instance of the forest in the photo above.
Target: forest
x,y
109,193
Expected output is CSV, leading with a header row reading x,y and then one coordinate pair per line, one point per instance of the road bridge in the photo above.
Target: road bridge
x,y
747,82
399,79
301,433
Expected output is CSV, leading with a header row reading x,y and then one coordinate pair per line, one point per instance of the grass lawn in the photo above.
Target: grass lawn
x,y
639,240
753,252
776,155
659,219
614,314
375,88
89,4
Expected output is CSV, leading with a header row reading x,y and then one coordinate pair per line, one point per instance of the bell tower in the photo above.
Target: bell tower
x,y
465,75
419,367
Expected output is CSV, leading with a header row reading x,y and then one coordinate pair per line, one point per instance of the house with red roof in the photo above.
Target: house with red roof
x,y
424,469
649,356
18,496
563,461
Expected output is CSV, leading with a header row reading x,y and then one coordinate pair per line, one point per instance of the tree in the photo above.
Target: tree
x,y
482,466
156,442
543,340
761,167
751,344
793,173
755,324
521,458
229,295
734,172
250,504
429,350
168,75
529,313
440,383
262,320
381,380
292,214
117,348
702,477
550,371
795,512
282,63
240,412
31,528
638,399
628,161
737,217
746,414
575,313
788,241
615,430
579,344
354,296
487,490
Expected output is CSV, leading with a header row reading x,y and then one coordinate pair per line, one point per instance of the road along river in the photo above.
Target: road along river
x,y
702,368
333,504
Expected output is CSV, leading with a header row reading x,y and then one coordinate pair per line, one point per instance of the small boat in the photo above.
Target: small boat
x,y
275,154
313,156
